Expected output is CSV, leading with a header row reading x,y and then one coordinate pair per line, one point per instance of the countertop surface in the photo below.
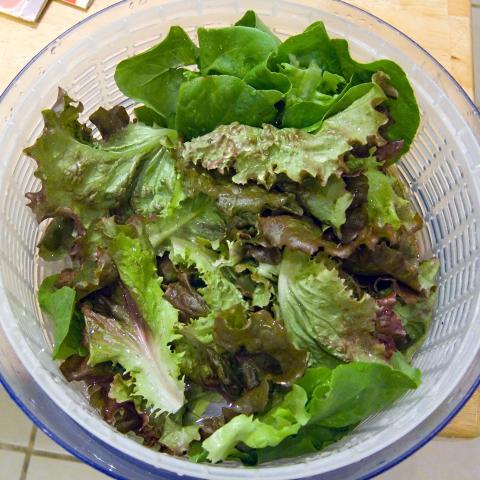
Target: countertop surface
x,y
443,28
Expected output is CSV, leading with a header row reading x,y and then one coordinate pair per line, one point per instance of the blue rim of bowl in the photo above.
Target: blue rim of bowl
x,y
172,475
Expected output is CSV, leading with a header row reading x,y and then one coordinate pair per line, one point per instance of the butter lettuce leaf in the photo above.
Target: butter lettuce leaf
x,y
233,50
333,55
154,77
349,393
252,20
267,430
59,304
202,104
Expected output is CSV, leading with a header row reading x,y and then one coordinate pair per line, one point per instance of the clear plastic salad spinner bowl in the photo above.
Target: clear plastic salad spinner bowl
x,y
442,171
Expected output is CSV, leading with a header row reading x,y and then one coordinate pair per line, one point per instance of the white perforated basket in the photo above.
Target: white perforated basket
x,y
442,170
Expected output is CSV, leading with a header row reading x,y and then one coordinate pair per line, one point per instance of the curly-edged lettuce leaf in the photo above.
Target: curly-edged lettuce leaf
x,y
233,50
400,262
154,77
266,430
59,304
322,314
158,186
301,234
261,154
140,341
81,177
254,285
327,203
58,239
242,201
220,291
385,203
292,232
349,393
202,104
92,267
202,364
194,217
186,299
177,437
259,332
416,319
111,121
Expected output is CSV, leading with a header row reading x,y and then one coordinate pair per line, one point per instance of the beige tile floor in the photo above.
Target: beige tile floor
x,y
28,454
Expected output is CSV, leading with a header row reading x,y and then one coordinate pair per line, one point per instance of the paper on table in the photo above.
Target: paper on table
x,y
28,10
78,3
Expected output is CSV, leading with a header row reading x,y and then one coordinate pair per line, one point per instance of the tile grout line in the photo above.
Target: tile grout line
x,y
38,453
28,453
12,448
54,456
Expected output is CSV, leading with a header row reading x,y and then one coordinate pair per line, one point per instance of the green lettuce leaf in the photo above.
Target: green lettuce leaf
x,y
220,292
111,121
400,262
312,95
241,201
233,50
385,202
149,117
194,217
57,240
269,429
327,203
59,304
140,343
416,319
252,20
322,314
260,333
154,77
262,154
83,178
202,100
310,439
158,187
333,55
177,437
349,393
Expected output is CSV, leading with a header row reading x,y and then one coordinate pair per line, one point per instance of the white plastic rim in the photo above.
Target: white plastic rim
x,y
442,171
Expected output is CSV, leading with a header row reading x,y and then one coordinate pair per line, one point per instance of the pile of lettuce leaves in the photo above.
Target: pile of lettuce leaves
x,y
241,279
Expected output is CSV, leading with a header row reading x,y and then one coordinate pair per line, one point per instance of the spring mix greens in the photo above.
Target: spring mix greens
x,y
243,280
